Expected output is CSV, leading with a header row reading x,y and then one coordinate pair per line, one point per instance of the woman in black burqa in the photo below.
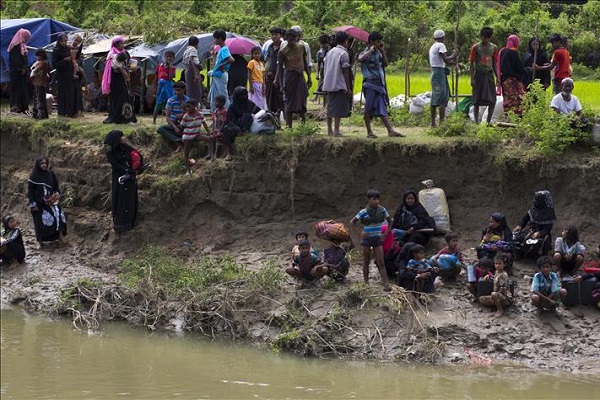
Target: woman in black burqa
x,y
239,117
412,217
124,182
537,239
63,64
44,193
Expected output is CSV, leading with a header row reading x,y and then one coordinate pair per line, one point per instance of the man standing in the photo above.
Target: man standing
x,y
336,82
303,43
561,63
273,94
373,60
291,64
440,90
484,59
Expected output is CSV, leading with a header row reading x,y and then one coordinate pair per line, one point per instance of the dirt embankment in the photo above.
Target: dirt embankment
x,y
250,208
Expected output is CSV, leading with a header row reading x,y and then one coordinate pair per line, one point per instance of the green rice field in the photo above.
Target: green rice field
x,y
588,92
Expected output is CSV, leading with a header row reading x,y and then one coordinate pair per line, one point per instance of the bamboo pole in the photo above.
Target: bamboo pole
x,y
406,71
535,51
456,70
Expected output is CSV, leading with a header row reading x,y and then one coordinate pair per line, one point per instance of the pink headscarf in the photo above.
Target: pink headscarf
x,y
21,38
107,67
513,42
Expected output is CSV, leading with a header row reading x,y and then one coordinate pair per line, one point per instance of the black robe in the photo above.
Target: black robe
x,y
19,96
117,98
421,220
125,201
239,115
64,77
49,220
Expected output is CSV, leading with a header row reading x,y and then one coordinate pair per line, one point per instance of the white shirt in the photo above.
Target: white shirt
x,y
565,107
435,60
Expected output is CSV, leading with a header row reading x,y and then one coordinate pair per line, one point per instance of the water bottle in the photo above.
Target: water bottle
x,y
470,273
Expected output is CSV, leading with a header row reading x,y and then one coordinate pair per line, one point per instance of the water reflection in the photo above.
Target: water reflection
x,y
42,358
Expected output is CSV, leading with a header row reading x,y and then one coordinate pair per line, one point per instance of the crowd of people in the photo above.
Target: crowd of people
x,y
503,71
278,79
399,246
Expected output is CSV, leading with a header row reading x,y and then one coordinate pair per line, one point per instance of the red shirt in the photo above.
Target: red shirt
x,y
562,58
166,73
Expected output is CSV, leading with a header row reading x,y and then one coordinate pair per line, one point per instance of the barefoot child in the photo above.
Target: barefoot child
x,y
500,296
256,70
545,288
307,266
337,259
191,122
453,263
218,117
482,270
75,47
424,272
568,252
300,236
166,75
372,218
39,77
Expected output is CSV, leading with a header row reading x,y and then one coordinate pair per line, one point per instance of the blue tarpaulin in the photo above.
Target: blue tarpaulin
x,y
43,32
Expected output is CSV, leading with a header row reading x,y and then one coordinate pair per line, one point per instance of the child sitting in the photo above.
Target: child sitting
x,y
546,292
300,236
482,270
11,242
218,117
568,252
372,218
449,266
500,296
307,266
191,122
424,273
337,259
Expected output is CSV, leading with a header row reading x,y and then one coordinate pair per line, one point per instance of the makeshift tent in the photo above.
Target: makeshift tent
x,y
43,31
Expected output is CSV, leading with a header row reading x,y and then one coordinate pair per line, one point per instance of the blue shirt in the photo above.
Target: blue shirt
x,y
418,265
545,285
373,221
371,67
222,56
176,107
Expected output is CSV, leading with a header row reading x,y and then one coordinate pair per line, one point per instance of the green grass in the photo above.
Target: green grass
x,y
588,92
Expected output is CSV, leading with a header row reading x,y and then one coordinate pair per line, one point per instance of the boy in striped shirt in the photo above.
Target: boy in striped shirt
x,y
372,218
190,123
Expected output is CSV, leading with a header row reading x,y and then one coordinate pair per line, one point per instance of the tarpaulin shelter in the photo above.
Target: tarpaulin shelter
x,y
43,32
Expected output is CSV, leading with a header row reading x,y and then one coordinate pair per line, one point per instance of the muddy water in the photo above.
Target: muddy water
x,y
42,358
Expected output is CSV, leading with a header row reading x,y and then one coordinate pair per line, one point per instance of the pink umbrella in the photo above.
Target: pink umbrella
x,y
353,31
240,45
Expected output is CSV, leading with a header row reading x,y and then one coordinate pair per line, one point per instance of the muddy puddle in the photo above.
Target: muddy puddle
x,y
44,358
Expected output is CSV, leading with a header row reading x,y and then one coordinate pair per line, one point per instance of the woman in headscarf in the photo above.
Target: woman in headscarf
x,y
124,182
120,110
412,218
193,83
12,248
44,193
540,217
511,75
63,64
19,68
239,117
541,58
496,236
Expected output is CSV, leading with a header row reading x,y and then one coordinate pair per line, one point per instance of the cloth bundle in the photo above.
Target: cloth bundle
x,y
331,230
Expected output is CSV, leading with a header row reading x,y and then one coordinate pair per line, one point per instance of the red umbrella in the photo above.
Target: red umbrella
x,y
353,31
240,45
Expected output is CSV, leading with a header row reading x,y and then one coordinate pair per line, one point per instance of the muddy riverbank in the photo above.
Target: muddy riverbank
x,y
248,209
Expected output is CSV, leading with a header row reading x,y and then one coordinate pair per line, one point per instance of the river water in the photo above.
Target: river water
x,y
47,359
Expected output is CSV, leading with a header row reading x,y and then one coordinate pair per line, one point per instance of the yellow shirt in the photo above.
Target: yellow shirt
x,y
257,68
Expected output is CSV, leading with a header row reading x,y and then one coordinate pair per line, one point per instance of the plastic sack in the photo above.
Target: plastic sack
x,y
434,201
483,111
264,123
445,261
398,101
331,230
